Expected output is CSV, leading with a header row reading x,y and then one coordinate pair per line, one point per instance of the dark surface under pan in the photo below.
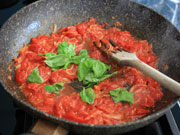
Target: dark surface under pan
x,y
142,23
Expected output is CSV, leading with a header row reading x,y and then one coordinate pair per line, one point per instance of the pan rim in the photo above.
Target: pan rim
x,y
54,118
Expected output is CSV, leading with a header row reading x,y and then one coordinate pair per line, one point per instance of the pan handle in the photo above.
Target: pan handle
x,y
163,79
44,127
130,59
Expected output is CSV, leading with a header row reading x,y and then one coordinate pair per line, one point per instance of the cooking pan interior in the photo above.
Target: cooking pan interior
x,y
142,23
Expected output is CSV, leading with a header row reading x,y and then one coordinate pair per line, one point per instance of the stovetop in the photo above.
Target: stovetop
x,y
13,120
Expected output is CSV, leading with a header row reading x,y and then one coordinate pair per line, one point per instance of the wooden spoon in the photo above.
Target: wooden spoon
x,y
126,58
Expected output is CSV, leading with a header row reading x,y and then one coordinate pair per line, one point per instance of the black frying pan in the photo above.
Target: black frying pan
x,y
142,22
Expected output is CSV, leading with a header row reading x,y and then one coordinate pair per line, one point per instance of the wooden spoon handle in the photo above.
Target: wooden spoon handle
x,y
44,127
164,80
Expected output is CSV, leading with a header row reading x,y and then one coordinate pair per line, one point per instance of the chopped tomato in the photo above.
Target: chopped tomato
x,y
67,104
63,75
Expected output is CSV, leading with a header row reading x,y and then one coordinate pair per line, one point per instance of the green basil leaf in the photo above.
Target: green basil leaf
x,y
54,88
106,95
49,54
90,70
99,68
64,48
88,95
83,53
90,79
77,59
84,68
106,76
55,68
116,92
80,58
67,64
121,94
57,60
35,77
65,56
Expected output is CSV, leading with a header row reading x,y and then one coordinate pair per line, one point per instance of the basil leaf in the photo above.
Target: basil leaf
x,y
56,60
90,70
64,48
99,68
106,95
66,56
54,88
55,68
84,68
35,77
49,54
80,58
88,95
77,59
106,76
115,92
90,79
65,52
121,94
83,52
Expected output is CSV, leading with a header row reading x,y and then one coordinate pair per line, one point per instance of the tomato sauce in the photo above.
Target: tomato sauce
x,y
68,105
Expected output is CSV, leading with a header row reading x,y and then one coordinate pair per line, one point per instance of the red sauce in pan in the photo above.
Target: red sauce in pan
x,y
68,105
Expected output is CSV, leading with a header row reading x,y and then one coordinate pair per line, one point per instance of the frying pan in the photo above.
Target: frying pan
x,y
143,23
